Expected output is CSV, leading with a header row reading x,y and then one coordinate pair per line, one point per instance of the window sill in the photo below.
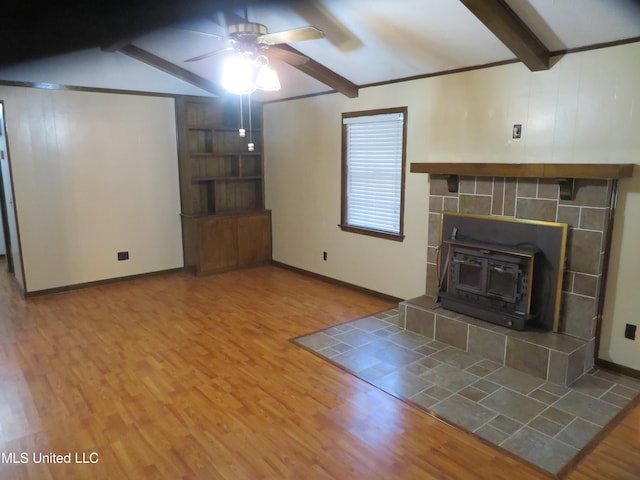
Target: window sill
x,y
397,237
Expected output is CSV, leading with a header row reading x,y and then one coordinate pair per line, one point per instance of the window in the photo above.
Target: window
x,y
373,168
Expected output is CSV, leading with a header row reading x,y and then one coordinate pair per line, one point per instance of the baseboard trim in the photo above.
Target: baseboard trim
x,y
334,281
97,283
628,371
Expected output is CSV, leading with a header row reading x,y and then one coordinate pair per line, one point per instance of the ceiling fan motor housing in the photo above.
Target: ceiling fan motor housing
x,y
248,30
250,39
246,37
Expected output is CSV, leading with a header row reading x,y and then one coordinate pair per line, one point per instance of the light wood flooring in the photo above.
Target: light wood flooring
x,y
178,377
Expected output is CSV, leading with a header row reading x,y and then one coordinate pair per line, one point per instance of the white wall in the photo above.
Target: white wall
x,y
94,174
586,109
98,69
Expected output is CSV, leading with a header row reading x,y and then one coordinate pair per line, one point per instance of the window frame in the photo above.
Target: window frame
x,y
344,226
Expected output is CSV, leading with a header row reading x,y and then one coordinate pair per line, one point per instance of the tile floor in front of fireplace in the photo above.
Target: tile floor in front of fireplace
x,y
543,423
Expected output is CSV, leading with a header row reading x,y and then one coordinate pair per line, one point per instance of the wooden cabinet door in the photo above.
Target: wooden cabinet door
x,y
254,239
218,244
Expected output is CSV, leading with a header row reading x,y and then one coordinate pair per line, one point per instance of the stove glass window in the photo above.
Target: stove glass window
x,y
503,282
470,276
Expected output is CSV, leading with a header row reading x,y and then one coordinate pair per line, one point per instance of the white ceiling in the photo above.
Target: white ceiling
x,y
379,40
374,41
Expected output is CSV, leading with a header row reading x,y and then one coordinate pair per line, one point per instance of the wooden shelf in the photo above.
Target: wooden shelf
x,y
207,126
247,211
226,179
226,154
564,173
235,130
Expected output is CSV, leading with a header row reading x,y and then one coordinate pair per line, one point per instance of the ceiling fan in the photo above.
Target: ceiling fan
x,y
252,39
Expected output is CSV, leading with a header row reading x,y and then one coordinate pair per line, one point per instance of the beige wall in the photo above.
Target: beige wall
x,y
94,174
302,157
622,304
586,109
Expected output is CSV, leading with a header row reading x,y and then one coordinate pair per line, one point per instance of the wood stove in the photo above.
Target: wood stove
x,y
491,282
506,271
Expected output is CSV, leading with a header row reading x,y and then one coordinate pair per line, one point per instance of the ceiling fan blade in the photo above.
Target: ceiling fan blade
x,y
286,56
208,55
291,36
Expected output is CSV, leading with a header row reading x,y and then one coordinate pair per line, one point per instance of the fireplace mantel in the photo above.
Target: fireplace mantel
x,y
563,173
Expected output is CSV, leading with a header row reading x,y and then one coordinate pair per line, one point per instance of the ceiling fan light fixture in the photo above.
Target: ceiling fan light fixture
x,y
267,79
238,75
252,42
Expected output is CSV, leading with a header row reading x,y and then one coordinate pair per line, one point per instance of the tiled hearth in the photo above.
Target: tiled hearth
x,y
533,393
538,418
553,357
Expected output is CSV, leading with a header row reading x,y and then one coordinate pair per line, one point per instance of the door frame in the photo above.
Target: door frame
x,y
3,199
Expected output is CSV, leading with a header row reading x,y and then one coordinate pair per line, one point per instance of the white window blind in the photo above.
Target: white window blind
x,y
374,171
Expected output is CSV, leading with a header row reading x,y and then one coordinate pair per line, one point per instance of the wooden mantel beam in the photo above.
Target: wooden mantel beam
x,y
498,17
531,170
563,173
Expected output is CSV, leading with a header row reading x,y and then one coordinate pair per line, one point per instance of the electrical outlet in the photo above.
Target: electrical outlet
x,y
630,331
123,256
324,255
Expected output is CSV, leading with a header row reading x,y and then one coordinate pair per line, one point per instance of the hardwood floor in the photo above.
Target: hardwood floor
x,y
178,377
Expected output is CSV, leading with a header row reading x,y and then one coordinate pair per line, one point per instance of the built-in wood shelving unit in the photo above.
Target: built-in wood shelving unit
x,y
224,222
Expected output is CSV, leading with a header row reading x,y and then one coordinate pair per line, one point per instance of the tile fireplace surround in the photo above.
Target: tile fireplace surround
x,y
587,214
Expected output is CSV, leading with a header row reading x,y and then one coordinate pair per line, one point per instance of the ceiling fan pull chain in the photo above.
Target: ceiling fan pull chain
x,y
250,146
241,131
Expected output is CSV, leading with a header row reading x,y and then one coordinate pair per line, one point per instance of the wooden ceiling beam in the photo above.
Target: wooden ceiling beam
x,y
172,69
323,74
311,68
120,43
498,17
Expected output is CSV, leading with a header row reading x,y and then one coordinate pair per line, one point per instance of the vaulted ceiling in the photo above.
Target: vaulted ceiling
x,y
366,42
